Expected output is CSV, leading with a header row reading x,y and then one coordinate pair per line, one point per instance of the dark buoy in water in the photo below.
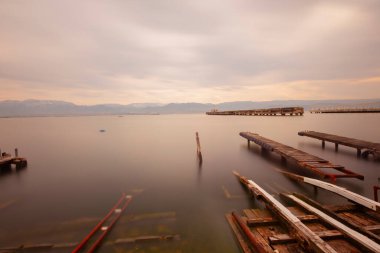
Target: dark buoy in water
x,y
102,130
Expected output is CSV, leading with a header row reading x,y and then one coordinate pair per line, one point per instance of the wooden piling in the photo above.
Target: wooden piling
x,y
375,195
199,152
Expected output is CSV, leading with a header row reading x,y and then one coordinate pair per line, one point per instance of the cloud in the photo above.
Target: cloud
x,y
160,51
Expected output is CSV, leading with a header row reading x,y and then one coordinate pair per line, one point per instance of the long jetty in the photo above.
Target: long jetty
x,y
353,110
7,160
291,111
303,227
302,159
368,148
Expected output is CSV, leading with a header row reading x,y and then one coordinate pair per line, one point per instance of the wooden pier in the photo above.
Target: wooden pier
x,y
306,226
7,160
363,148
291,111
353,110
302,159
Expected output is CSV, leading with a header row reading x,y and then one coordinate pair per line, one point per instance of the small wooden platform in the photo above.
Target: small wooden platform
x,y
291,111
301,158
354,110
7,161
368,148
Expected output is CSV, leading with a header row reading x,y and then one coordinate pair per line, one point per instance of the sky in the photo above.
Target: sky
x,y
162,51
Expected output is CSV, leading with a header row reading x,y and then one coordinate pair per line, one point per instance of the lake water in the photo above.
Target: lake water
x,y
76,173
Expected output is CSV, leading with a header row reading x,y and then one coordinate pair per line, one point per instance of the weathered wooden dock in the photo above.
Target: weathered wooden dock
x,y
353,110
291,111
7,160
363,148
304,227
302,159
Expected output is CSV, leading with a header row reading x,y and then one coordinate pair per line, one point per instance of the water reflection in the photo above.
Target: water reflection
x,y
75,172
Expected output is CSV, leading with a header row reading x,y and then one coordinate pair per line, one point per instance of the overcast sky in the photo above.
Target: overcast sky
x,y
91,52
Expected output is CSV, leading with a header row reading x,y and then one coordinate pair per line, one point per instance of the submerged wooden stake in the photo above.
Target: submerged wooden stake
x,y
199,152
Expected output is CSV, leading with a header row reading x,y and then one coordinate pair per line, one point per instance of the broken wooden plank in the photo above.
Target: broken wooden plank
x,y
348,221
258,245
309,240
364,241
286,238
361,200
271,220
238,235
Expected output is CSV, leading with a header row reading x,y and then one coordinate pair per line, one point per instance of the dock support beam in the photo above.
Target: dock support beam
x,y
359,152
16,152
375,196
323,144
336,146
283,160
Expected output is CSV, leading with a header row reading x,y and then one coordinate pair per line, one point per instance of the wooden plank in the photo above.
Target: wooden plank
x,y
346,218
260,246
238,235
368,244
271,220
286,238
354,197
310,241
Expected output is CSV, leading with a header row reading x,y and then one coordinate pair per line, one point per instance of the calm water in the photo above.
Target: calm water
x,y
76,173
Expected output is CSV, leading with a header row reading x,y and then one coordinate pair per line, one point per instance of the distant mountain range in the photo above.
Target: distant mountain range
x,y
13,108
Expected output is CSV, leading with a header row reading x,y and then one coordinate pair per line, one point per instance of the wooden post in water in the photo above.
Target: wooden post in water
x,y
375,196
323,144
199,153
336,146
16,152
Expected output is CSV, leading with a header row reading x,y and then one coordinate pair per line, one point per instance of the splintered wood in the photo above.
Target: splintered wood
x,y
304,227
